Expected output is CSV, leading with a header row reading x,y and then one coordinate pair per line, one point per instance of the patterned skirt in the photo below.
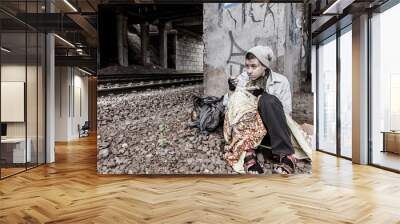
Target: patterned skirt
x,y
242,136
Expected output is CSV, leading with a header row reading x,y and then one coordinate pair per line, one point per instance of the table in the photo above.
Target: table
x,y
15,148
391,141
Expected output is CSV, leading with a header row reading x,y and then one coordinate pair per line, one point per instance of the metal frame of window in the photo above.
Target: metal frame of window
x,y
369,106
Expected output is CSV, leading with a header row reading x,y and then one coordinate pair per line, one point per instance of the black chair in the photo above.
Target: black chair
x,y
84,130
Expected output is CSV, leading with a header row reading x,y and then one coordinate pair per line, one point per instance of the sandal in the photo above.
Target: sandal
x,y
250,163
286,166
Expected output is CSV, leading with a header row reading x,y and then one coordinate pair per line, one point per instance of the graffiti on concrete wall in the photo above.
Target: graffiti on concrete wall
x,y
236,54
236,51
248,12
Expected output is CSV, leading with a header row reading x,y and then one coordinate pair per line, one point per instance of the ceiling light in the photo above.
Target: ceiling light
x,y
5,50
65,41
338,6
84,71
326,11
79,51
70,5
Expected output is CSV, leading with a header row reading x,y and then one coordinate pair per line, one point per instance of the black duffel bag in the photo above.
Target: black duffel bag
x,y
208,113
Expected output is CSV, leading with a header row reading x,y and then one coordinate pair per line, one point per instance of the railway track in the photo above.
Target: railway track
x,y
120,83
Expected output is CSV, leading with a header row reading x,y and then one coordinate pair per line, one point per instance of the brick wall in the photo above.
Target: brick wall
x,y
189,53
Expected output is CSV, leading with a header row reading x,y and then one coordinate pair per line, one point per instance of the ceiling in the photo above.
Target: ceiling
x,y
76,20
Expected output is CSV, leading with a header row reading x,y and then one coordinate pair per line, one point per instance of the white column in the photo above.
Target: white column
x,y
360,90
50,99
50,92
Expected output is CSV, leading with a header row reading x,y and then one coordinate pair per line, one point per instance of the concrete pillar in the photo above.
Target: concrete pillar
x,y
122,39
175,44
163,34
360,90
144,31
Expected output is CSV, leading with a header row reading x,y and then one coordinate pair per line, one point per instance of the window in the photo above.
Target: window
x,y
327,96
346,92
334,137
385,88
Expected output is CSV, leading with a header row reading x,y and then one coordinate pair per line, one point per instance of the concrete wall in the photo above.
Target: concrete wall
x,y
189,53
231,29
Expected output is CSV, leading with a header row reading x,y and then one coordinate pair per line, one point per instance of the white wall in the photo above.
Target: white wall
x,y
70,83
62,80
14,72
17,72
79,117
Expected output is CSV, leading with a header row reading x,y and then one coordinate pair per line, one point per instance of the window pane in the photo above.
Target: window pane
x,y
327,96
346,94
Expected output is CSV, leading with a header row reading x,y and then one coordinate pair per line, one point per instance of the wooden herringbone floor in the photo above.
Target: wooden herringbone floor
x,y
70,191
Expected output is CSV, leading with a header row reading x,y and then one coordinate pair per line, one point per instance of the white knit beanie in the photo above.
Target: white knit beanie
x,y
263,53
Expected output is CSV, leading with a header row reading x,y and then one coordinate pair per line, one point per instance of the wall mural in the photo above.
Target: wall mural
x,y
158,118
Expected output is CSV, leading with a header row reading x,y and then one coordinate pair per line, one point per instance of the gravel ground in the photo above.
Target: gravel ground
x,y
148,133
